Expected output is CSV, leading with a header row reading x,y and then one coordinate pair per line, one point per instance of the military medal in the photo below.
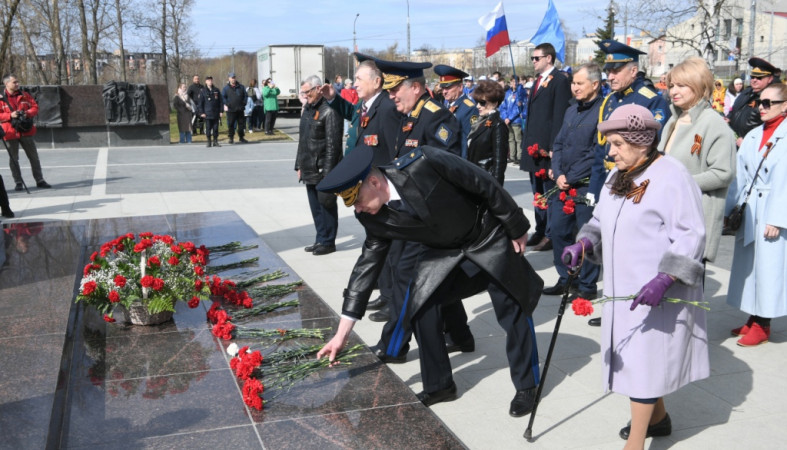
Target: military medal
x,y
411,143
452,109
407,127
488,123
316,115
364,122
370,140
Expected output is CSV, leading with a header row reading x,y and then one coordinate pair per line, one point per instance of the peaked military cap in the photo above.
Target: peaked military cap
x,y
618,55
395,72
449,75
361,57
346,178
761,67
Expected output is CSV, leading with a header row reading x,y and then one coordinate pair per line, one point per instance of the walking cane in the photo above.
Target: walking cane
x,y
572,275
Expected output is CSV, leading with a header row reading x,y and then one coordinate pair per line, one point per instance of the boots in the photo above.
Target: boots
x,y
210,143
216,142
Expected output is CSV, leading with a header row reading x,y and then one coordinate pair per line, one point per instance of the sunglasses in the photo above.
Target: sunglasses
x,y
535,58
766,102
759,77
481,102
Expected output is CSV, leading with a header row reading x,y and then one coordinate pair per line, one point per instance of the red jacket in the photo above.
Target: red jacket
x,y
351,95
23,101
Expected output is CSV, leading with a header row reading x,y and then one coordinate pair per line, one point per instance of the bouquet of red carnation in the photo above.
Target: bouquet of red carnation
x,y
584,307
536,152
155,270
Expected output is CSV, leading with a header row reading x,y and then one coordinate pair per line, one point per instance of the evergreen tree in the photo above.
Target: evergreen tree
x,y
607,32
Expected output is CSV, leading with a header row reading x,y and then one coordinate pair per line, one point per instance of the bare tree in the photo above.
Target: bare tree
x,y
119,27
5,42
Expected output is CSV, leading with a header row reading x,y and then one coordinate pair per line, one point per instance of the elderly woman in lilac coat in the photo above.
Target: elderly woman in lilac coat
x,y
648,231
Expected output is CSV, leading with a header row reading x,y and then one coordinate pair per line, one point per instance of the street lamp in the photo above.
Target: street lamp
x,y
408,30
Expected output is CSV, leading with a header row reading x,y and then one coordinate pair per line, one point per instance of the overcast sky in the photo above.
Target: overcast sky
x,y
250,24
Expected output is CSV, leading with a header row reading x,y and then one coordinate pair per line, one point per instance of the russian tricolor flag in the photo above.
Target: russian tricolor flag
x,y
496,30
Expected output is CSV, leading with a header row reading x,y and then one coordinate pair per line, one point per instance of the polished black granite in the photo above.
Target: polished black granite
x,y
70,380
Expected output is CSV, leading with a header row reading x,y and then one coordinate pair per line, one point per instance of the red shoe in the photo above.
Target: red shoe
x,y
757,335
741,331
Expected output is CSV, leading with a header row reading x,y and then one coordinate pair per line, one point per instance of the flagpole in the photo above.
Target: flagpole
x,y
511,52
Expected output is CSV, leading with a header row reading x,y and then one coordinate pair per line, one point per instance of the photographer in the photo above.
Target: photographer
x,y
17,110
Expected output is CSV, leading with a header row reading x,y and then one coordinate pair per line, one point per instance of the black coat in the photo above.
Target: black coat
x,y
487,146
745,113
545,110
378,131
429,123
210,102
320,143
461,213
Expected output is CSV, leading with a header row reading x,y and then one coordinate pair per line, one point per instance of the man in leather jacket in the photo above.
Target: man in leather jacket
x,y
474,236
319,150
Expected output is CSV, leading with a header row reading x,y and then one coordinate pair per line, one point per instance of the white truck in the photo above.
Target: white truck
x,y
287,66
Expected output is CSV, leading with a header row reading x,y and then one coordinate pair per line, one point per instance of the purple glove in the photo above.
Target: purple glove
x,y
652,293
572,255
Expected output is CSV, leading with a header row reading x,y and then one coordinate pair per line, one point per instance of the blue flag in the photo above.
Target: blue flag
x,y
551,31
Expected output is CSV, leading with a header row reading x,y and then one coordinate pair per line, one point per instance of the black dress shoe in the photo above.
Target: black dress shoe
x,y
321,249
663,428
243,140
523,402
544,245
467,346
19,187
310,248
442,395
534,239
379,316
557,289
388,359
378,303
43,185
595,322
7,213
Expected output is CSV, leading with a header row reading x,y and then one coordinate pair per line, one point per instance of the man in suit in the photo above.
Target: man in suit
x,y
460,104
546,106
433,197
374,121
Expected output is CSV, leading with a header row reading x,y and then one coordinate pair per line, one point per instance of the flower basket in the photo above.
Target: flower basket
x,y
138,314
144,276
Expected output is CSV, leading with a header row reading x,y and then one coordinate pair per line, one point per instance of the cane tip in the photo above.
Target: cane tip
x,y
529,435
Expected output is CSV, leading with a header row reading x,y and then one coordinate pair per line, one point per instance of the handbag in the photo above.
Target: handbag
x,y
735,218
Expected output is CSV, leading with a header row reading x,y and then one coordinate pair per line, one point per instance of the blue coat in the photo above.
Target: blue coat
x,y
758,278
467,114
638,94
511,108
575,144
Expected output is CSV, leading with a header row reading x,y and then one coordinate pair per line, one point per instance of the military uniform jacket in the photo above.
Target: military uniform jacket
x,y
377,130
637,94
466,113
428,124
459,212
546,108
745,113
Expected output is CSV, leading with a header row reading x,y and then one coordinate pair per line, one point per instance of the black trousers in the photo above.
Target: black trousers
x,y
212,128
325,214
521,348
395,283
5,206
270,120
235,120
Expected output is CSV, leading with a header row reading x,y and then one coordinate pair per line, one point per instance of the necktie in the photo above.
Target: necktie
x,y
538,84
364,110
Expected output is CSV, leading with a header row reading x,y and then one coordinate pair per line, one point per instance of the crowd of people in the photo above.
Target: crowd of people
x,y
424,169
200,108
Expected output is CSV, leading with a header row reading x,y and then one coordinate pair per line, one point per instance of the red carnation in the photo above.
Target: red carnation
x,y
214,309
167,239
572,192
87,269
173,260
158,284
542,174
223,330
109,319
120,280
194,302
568,209
146,281
93,256
176,249
582,306
114,297
252,391
198,285
562,196
154,260
142,245
146,235
199,270
89,288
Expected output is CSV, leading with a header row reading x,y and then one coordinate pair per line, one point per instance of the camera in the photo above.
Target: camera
x,y
21,122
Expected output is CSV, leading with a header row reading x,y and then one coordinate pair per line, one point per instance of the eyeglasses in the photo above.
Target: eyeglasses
x,y
535,58
760,77
766,102
307,92
481,102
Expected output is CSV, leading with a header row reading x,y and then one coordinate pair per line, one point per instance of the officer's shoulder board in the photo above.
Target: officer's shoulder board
x,y
431,106
469,102
646,92
408,158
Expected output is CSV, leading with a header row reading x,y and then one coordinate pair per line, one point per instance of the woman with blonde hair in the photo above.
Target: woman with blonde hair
x,y
698,137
